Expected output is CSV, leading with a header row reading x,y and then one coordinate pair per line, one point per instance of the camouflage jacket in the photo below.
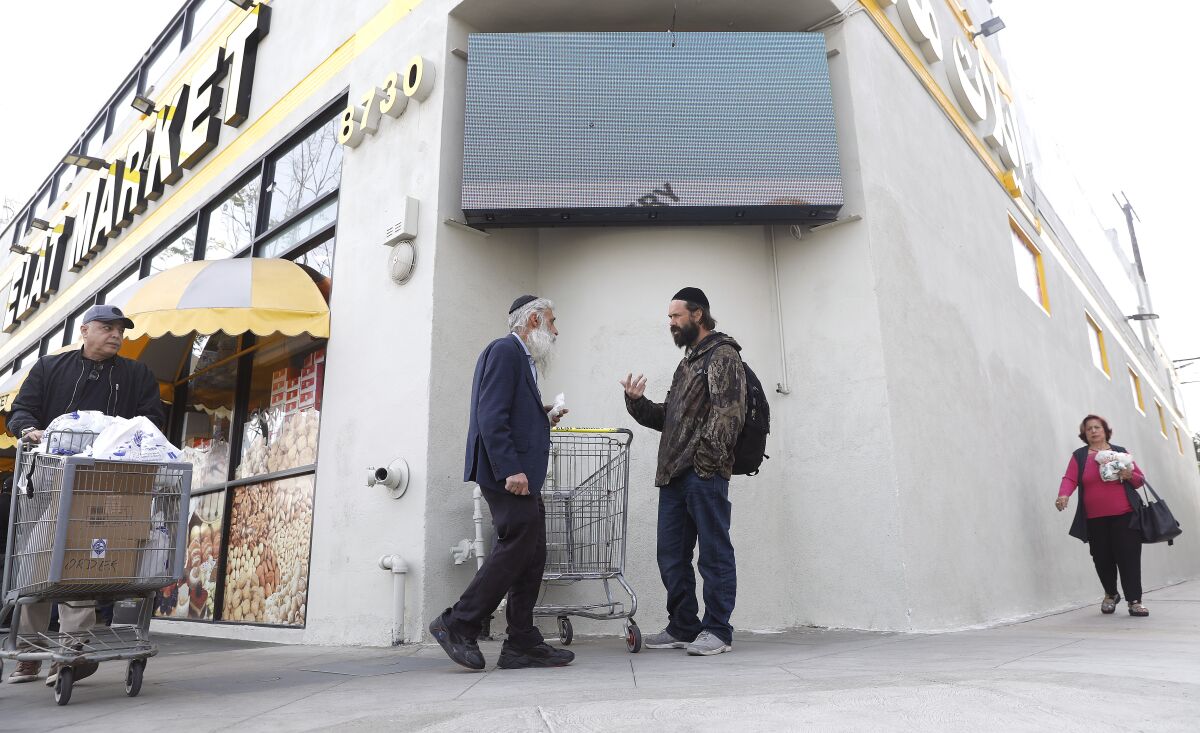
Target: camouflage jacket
x,y
703,413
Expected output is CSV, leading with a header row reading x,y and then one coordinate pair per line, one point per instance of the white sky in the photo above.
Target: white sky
x,y
1110,91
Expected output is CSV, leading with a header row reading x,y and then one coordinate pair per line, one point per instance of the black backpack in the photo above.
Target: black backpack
x,y
751,447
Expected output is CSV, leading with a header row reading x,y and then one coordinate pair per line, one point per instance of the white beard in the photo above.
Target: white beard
x,y
541,347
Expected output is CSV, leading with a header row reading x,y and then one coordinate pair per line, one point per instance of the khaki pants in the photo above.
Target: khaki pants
x,y
35,617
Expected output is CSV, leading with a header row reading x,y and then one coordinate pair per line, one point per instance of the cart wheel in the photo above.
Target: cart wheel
x,y
565,632
133,677
62,686
633,638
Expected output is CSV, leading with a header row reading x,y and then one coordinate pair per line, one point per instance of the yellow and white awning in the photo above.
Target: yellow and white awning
x,y
256,295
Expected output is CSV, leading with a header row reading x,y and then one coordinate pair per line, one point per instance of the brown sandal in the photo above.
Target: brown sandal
x,y
1109,604
1137,609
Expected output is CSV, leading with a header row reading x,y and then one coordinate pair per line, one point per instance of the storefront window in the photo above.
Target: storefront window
x,y
194,597
319,258
284,411
27,358
52,341
178,251
298,231
73,324
270,527
114,290
203,12
208,415
122,113
305,172
231,223
167,53
91,144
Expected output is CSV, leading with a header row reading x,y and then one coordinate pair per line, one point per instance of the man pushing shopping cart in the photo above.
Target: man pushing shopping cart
x,y
92,378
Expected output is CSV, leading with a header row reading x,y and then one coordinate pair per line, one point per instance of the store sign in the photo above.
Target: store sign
x,y
973,84
182,134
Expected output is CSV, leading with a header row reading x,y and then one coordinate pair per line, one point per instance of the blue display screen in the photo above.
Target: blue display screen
x,y
612,128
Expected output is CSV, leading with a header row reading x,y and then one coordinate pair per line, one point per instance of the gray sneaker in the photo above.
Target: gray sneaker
x,y
707,645
662,640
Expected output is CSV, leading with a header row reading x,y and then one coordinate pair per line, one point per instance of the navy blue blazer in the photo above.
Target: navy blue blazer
x,y
509,431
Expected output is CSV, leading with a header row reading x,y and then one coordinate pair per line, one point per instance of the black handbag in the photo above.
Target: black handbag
x,y
1154,518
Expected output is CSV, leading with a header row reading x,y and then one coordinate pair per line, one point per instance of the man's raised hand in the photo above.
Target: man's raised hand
x,y
634,388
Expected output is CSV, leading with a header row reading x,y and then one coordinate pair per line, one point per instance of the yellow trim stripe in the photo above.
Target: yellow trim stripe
x,y
183,194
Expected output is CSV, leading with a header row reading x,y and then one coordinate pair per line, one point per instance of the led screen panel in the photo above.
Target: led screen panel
x,y
637,128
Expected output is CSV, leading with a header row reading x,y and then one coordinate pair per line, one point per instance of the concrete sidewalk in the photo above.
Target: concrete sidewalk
x,y
1076,671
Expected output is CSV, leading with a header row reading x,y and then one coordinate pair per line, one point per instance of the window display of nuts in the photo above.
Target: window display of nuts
x,y
290,441
200,574
266,579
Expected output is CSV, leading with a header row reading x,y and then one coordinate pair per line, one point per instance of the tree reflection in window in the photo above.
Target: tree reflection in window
x,y
231,223
306,171
176,252
319,258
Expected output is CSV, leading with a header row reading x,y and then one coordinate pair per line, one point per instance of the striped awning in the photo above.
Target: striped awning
x,y
256,295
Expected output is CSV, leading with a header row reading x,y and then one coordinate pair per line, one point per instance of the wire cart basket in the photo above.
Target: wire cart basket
x,y
586,495
83,530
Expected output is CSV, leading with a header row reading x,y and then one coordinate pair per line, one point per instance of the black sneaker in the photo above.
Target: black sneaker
x,y
542,655
460,649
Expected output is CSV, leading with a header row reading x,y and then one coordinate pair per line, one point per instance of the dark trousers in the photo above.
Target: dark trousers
x,y
1116,547
513,567
691,508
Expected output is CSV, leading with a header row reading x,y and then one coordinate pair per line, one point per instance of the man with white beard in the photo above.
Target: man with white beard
x,y
508,445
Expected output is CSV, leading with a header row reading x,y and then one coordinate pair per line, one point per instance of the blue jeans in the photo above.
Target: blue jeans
x,y
691,508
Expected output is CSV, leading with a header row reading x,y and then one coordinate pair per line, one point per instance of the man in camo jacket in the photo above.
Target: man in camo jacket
x,y
700,420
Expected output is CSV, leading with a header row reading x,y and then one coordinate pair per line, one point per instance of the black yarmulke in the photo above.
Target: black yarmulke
x,y
693,295
522,301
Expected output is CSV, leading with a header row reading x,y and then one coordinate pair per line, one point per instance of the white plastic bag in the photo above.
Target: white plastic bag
x,y
156,555
1112,463
559,407
136,439
66,443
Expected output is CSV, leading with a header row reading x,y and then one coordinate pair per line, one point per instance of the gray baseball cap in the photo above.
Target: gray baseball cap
x,y
107,314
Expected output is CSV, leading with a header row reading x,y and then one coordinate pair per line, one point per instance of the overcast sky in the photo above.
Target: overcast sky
x,y
1109,91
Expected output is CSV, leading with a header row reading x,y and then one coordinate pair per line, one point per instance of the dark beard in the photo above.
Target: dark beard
x,y
685,335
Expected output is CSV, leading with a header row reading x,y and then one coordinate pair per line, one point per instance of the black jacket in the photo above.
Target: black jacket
x,y
509,432
52,389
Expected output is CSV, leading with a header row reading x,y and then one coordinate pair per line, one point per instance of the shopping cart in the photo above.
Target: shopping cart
x,y
84,530
587,497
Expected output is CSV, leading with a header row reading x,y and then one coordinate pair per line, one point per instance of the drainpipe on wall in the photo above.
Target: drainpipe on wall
x,y
782,386
399,569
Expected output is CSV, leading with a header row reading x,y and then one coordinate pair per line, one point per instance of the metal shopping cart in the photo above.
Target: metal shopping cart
x,y
587,497
84,530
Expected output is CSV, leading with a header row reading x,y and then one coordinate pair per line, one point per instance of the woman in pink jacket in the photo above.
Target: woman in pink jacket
x,y
1104,516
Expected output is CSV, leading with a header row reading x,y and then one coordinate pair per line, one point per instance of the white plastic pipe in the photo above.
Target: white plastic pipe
x,y
477,515
399,569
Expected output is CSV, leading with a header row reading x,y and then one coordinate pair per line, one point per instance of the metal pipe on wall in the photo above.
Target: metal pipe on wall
x,y
782,386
